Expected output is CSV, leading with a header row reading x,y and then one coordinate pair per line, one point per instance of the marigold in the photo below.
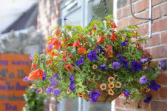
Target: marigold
x,y
111,79
118,85
103,86
110,92
94,66
111,85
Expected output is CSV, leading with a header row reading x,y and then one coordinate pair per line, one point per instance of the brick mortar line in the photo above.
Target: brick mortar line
x,y
156,46
156,59
164,100
159,4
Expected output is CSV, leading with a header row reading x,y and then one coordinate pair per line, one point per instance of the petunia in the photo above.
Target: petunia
x,y
126,93
79,62
65,18
161,63
143,80
37,91
32,90
143,60
103,67
53,82
99,50
72,83
153,86
49,90
124,62
72,77
124,43
25,79
92,56
119,55
136,66
116,65
44,76
147,99
56,91
31,57
94,95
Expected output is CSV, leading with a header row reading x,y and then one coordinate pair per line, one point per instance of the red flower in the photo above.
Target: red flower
x,y
36,75
94,28
113,25
68,66
110,55
113,36
33,66
81,50
109,48
64,56
100,39
57,32
76,43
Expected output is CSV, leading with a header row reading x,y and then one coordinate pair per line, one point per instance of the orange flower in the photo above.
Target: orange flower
x,y
110,92
113,25
52,55
80,95
147,90
67,66
36,75
64,56
113,36
68,45
33,66
68,91
76,43
90,33
111,55
40,91
81,50
100,39
94,66
118,85
109,48
103,86
57,32
111,79
111,85
94,28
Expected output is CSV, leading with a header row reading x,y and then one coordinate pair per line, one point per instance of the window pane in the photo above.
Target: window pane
x,y
100,106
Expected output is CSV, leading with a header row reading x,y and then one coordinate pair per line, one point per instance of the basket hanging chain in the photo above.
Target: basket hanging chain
x,y
105,9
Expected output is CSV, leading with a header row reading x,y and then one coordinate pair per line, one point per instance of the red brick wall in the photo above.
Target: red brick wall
x,y
157,47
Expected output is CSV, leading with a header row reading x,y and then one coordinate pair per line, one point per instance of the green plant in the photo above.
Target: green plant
x,y
96,63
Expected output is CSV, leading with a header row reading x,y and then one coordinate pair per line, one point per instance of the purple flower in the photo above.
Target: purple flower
x,y
143,60
143,80
124,43
99,50
72,83
44,76
25,79
33,89
79,62
126,93
116,65
94,95
92,56
31,57
56,76
161,63
147,99
50,47
65,18
103,67
119,55
124,62
56,91
153,86
53,82
37,91
136,66
49,90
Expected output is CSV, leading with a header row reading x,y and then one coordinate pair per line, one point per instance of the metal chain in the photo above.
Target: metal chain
x,y
105,8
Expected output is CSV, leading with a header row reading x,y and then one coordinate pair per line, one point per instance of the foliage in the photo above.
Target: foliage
x,y
96,53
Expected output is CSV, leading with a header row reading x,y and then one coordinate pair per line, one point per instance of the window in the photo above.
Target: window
x,y
80,12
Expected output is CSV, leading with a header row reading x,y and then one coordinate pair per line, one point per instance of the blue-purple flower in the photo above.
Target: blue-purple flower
x,y
124,43
31,57
147,99
79,62
143,60
65,18
124,62
116,65
94,95
126,93
92,56
72,83
161,63
119,55
49,90
50,47
56,91
143,80
25,79
99,50
153,86
103,67
44,76
37,91
56,76
32,90
53,82
136,66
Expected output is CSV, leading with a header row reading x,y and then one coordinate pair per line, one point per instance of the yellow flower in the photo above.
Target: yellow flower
x,y
111,85
110,79
110,92
118,85
103,86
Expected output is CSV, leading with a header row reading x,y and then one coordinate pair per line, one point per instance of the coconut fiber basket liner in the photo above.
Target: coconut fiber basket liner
x,y
104,97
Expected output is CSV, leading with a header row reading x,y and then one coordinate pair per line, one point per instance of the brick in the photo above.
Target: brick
x,y
155,40
122,24
164,9
120,102
117,109
159,25
156,12
163,93
158,106
126,11
134,21
142,106
142,5
159,52
119,14
143,29
122,3
146,15
132,1
155,2
162,79
163,37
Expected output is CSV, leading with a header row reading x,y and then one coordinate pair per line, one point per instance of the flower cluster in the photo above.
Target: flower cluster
x,y
94,61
